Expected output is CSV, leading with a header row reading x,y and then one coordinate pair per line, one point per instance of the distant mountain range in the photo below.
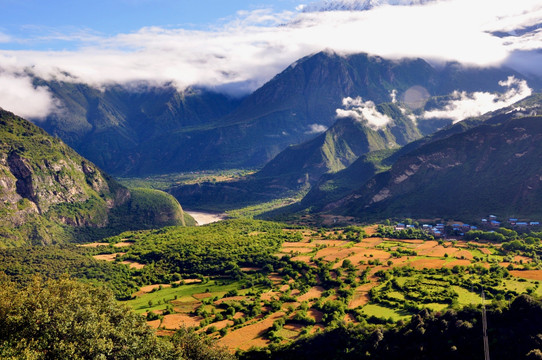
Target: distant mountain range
x,y
486,165
357,5
50,194
143,131
299,167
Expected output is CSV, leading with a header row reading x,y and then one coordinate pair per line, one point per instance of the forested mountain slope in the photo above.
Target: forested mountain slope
x,y
49,193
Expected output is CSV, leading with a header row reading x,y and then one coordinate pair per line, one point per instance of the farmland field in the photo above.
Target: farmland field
x,y
315,278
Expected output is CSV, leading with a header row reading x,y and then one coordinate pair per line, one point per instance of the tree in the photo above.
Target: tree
x,y
66,319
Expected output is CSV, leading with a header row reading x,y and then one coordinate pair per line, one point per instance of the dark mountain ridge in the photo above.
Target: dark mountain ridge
x,y
491,168
161,130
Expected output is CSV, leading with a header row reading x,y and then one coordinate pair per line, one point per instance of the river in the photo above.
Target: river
x,y
206,218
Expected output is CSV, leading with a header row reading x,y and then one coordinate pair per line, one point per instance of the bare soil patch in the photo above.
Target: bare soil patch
x,y
298,244
220,324
522,259
361,295
430,244
317,315
439,251
185,305
457,262
95,244
188,281
527,274
361,254
302,250
314,292
330,242
133,264
465,253
203,295
332,253
124,244
275,278
154,324
231,298
427,263
250,269
177,321
370,230
412,241
369,242
107,257
303,258
269,295
250,335
148,288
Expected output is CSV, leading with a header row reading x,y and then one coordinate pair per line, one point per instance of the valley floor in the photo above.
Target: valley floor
x,y
329,279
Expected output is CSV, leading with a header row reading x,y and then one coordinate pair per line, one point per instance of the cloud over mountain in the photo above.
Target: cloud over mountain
x,y
19,95
363,111
248,50
466,105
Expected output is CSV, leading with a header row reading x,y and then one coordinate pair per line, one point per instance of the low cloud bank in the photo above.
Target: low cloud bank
x,y
20,96
316,129
363,111
465,105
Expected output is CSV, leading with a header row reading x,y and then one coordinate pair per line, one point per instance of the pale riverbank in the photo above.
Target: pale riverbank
x,y
204,218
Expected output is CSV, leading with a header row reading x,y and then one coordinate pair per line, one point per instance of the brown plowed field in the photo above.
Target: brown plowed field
x,y
133,264
361,295
177,321
314,292
250,335
95,244
124,244
527,274
107,257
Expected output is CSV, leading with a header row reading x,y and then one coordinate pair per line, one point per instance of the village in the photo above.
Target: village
x,y
455,229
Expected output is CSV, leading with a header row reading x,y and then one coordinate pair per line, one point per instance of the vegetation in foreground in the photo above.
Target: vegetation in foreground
x,y
253,283
514,333
65,319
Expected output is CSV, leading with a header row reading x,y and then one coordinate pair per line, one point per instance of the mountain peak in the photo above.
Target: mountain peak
x,y
357,5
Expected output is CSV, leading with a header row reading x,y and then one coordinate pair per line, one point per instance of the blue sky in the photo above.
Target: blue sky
x,y
38,24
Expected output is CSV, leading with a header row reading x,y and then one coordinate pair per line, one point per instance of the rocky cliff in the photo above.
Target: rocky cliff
x,y
49,193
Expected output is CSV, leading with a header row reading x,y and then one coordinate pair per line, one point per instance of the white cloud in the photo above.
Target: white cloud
x,y
4,38
466,105
393,96
18,95
316,129
363,111
250,49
